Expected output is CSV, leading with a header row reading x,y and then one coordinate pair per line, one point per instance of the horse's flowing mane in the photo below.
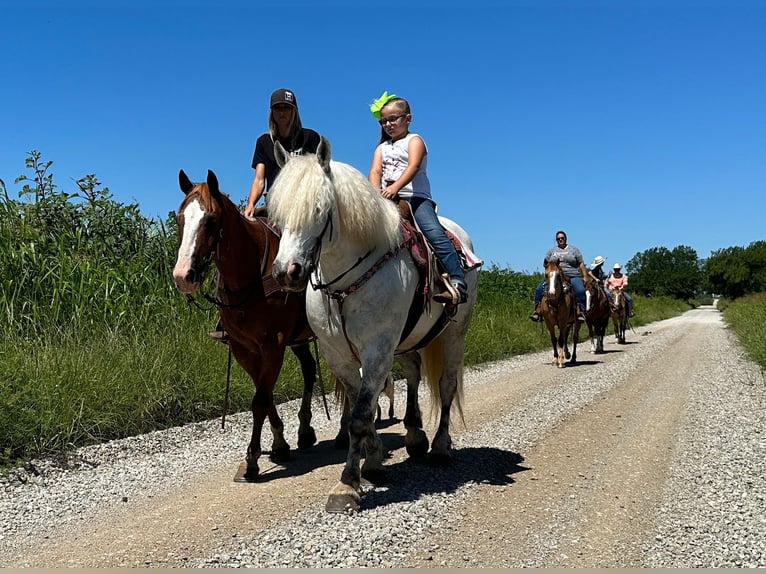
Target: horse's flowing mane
x,y
304,194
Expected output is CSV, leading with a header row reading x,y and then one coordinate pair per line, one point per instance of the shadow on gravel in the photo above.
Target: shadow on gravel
x,y
409,479
322,454
412,478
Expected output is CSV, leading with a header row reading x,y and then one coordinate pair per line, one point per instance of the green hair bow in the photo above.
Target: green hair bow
x,y
378,104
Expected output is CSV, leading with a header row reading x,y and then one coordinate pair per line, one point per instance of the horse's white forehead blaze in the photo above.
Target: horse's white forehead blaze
x,y
193,216
552,283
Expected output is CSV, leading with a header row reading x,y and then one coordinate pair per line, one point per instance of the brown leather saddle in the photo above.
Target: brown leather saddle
x,y
432,273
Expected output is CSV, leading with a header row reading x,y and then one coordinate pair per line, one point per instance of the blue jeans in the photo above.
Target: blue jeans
x,y
425,216
577,285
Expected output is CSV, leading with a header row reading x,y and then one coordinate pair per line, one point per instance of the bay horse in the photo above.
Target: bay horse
x,y
619,314
559,311
260,318
597,314
342,236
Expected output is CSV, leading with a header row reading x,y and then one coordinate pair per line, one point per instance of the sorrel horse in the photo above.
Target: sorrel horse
x,y
619,314
343,236
596,315
262,320
559,311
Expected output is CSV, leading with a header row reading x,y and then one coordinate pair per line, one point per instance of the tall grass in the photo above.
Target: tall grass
x,y
746,316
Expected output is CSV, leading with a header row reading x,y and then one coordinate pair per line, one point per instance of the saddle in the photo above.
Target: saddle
x,y
432,273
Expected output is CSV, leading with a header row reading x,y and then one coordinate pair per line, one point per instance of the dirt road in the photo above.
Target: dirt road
x,y
584,477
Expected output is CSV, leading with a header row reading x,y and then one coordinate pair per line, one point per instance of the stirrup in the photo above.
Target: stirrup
x,y
221,336
452,294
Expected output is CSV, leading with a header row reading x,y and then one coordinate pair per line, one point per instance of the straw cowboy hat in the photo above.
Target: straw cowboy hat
x,y
597,261
617,266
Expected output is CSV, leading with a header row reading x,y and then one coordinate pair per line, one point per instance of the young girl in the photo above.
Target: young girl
x,y
399,170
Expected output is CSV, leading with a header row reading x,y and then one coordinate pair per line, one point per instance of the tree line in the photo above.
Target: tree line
x,y
731,272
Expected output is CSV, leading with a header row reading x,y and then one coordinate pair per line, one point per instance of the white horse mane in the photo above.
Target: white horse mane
x,y
304,193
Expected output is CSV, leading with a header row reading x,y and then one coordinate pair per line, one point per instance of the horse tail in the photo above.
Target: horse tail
x,y
339,392
432,368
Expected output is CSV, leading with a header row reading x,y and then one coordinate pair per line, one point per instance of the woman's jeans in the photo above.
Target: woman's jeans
x,y
577,285
425,216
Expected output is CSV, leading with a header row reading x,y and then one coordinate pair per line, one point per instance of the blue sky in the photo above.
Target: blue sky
x,y
630,125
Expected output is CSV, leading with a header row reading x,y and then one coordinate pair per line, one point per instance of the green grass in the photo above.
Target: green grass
x,y
90,382
746,317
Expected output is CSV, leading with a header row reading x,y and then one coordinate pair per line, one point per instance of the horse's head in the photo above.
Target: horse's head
x,y
199,229
300,203
554,280
329,209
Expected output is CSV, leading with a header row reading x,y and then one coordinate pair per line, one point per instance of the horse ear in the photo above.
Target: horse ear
x,y
280,154
184,182
212,183
323,154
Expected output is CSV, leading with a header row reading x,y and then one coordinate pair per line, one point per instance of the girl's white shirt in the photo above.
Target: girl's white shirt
x,y
395,159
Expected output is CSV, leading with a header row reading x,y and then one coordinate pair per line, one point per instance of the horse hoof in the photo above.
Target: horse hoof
x,y
247,472
308,439
280,455
439,459
342,504
377,476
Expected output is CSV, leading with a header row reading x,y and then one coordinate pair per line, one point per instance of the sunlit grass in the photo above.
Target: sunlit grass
x,y
746,316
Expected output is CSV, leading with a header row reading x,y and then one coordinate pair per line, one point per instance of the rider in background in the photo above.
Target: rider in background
x,y
618,279
572,265
398,170
596,270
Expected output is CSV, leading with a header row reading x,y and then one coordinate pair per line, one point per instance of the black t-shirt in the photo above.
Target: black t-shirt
x,y
264,151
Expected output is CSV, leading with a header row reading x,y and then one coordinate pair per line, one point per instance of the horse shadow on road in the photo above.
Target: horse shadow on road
x,y
410,478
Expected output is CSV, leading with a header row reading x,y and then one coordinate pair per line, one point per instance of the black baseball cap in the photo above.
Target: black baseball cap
x,y
283,96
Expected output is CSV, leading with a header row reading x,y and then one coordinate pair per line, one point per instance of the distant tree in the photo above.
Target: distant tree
x,y
659,271
737,271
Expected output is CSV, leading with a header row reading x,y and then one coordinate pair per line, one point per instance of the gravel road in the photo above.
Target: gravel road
x,y
650,455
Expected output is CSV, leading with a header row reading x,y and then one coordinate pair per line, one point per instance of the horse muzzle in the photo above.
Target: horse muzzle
x,y
292,276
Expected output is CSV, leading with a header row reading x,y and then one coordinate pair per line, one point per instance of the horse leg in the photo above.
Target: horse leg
x,y
441,446
306,434
563,344
344,496
575,340
416,440
250,362
389,391
554,344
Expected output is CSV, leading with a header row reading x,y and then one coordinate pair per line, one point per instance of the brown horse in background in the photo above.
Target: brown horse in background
x,y
559,311
597,314
619,314
261,320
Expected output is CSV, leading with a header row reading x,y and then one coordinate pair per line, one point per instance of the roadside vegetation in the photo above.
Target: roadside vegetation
x,y
99,344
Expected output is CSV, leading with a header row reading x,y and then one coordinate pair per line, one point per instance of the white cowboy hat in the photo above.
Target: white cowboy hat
x,y
617,266
597,261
